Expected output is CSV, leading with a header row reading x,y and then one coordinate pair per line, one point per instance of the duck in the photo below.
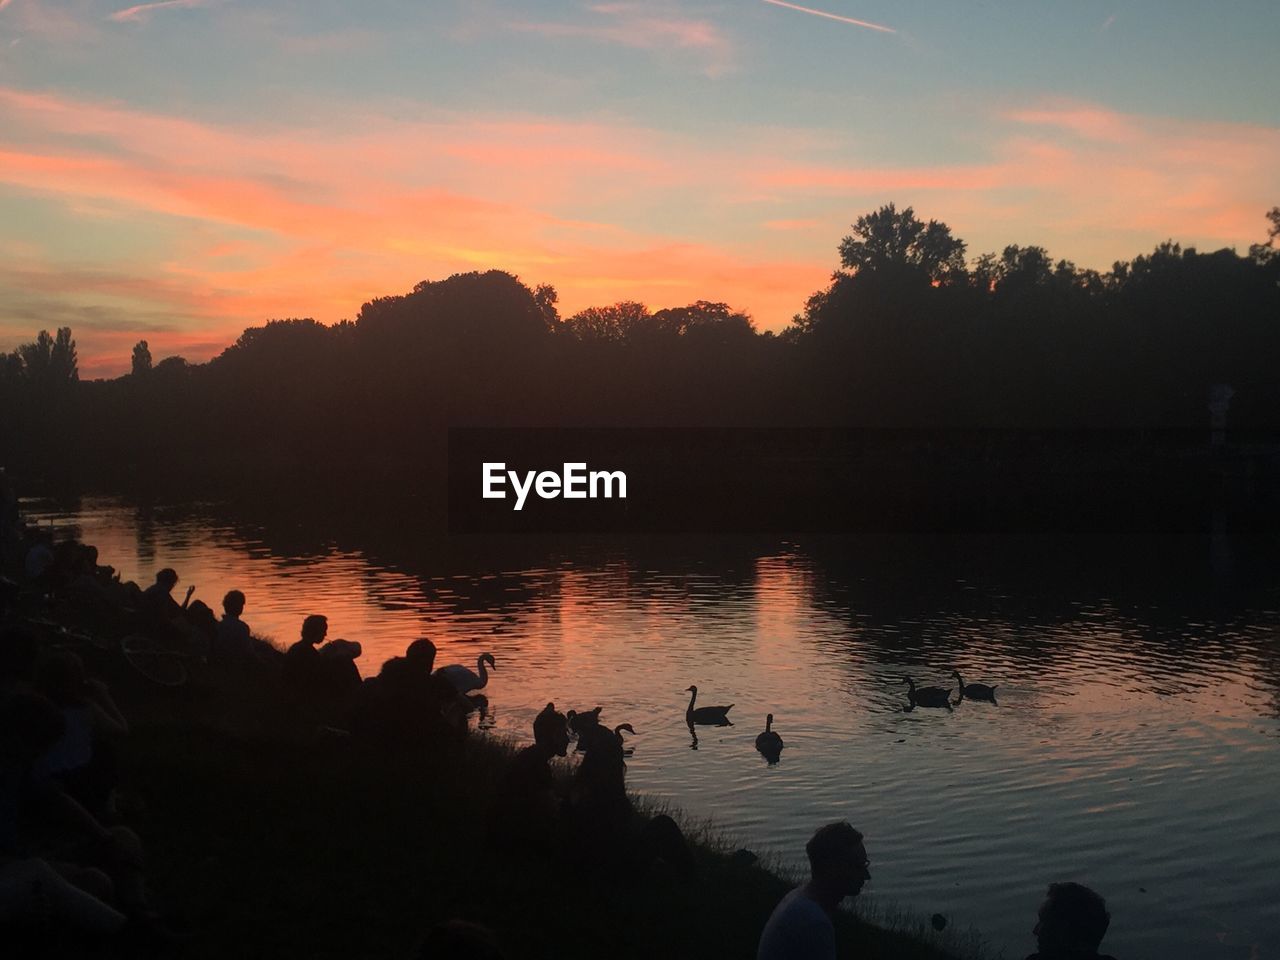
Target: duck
x,y
463,679
769,743
927,696
974,691
710,716
597,738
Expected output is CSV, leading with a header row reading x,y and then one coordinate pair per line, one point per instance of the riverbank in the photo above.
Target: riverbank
x,y
267,837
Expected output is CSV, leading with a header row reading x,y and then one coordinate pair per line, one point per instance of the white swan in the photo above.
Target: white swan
x,y
463,679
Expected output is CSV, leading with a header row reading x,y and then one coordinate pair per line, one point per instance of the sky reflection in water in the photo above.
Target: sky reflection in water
x,y
1135,748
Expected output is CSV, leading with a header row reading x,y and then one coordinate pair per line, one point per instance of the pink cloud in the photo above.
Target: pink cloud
x,y
142,11
1087,181
643,26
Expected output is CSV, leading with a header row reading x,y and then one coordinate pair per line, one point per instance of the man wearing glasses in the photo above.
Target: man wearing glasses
x,y
800,927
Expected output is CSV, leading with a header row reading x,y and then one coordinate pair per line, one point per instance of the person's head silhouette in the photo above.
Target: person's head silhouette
x,y
551,731
314,629
838,862
233,603
1072,922
421,654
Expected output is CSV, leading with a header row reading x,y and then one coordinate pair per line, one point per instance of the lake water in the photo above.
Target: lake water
x,y
1135,748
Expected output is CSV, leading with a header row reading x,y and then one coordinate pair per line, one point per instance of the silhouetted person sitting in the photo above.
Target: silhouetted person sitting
x,y
528,808
599,784
158,604
34,897
83,760
801,927
605,827
459,940
303,667
323,676
39,819
232,644
1072,922
405,704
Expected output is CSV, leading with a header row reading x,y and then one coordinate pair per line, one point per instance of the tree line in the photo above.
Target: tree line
x,y
909,332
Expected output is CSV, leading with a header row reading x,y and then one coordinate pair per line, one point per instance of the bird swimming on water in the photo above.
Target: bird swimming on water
x,y
709,716
974,691
927,696
768,742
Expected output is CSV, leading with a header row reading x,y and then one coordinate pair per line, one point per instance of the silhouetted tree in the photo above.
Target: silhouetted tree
x,y
898,242
1023,267
47,363
545,296
902,335
141,359
1269,251
704,316
171,366
613,324
37,358
63,363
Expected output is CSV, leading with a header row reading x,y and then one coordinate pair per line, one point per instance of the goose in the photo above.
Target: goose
x,y
617,732
593,736
927,696
711,716
769,743
463,679
974,691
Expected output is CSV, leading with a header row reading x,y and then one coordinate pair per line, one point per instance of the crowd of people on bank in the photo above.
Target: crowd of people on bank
x,y
70,864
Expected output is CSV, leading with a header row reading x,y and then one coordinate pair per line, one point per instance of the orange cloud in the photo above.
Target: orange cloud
x,y
269,221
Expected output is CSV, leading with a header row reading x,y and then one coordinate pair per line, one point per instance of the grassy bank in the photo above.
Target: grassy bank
x,y
313,849
267,837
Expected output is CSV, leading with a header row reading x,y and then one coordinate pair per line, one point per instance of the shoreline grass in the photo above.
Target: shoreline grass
x,y
268,837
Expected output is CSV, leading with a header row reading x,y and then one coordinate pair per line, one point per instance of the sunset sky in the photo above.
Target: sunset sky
x,y
177,171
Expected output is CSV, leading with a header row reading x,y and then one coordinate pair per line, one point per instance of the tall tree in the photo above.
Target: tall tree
x,y
896,241
37,358
63,363
141,358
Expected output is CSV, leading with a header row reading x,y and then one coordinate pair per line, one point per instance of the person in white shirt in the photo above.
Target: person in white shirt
x,y
800,927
